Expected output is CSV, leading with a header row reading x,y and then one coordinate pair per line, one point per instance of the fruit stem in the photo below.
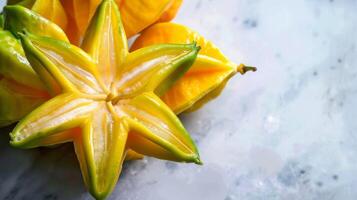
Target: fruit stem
x,y
243,68
198,161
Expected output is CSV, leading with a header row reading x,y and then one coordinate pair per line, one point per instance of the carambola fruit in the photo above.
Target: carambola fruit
x,y
112,104
203,81
21,90
105,99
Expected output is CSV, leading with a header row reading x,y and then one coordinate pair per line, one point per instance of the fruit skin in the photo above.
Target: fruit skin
x,y
140,14
25,3
13,63
1,21
171,12
18,19
20,94
136,14
20,88
18,101
205,79
52,10
57,13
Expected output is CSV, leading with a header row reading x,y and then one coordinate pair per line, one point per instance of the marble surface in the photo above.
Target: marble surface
x,y
285,132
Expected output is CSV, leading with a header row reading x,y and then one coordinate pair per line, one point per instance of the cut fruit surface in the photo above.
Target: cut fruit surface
x,y
102,102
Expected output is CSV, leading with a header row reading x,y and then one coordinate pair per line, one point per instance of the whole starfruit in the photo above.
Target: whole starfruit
x,y
204,81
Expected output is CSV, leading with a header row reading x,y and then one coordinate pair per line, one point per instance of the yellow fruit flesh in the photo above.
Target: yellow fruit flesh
x,y
99,116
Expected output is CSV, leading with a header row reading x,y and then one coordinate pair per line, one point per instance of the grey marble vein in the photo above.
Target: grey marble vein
x,y
285,132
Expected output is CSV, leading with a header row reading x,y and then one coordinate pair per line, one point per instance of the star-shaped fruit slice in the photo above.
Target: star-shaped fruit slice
x,y
105,99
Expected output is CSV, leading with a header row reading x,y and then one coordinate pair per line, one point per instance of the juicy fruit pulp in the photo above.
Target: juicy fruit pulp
x,y
105,99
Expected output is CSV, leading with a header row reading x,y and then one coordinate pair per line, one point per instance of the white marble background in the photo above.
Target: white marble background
x,y
285,132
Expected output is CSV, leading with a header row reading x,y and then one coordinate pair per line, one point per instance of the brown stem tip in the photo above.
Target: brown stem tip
x,y
243,68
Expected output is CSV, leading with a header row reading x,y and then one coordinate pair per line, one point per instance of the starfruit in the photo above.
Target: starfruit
x,y
20,88
205,79
73,16
105,99
50,9
18,18
21,95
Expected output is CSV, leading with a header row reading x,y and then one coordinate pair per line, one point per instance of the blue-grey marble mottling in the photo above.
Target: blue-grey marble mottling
x,y
285,132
